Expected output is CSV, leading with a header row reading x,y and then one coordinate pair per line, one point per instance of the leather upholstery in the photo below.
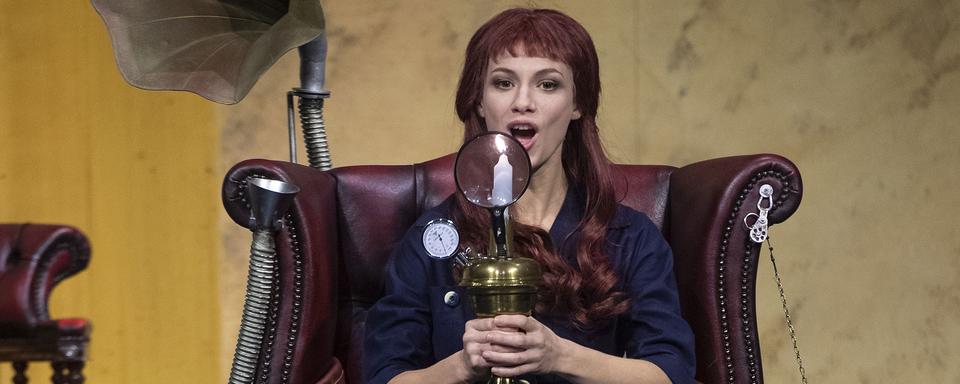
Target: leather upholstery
x,y
349,219
33,259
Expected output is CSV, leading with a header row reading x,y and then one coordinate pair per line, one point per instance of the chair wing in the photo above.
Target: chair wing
x,y
34,258
715,260
298,347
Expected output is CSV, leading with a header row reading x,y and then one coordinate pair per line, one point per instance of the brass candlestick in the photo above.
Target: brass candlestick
x,y
501,282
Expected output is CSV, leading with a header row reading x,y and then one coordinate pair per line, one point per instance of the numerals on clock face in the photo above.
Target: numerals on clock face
x,y
440,238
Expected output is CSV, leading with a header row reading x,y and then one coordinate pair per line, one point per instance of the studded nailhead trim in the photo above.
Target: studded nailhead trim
x,y
297,297
748,320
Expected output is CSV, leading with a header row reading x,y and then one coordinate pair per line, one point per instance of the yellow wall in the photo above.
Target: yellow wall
x,y
135,171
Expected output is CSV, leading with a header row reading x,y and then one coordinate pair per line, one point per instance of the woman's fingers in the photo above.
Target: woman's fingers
x,y
474,344
504,348
509,345
514,371
509,339
513,359
539,346
521,322
514,364
484,324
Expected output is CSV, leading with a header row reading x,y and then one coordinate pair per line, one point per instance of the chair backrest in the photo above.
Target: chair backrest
x,y
345,223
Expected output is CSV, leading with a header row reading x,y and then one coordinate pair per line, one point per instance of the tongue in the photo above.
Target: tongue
x,y
525,138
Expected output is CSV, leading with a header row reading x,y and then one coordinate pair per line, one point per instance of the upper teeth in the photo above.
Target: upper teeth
x,y
521,127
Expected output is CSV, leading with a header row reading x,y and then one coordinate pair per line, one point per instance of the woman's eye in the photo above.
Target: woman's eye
x,y
549,85
502,84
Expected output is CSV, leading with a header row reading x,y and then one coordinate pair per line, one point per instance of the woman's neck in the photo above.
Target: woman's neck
x,y
543,199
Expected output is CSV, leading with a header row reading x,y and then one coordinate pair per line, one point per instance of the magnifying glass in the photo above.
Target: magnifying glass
x,y
492,171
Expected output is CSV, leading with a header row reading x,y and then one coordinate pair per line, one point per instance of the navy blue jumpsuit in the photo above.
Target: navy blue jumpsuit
x,y
412,326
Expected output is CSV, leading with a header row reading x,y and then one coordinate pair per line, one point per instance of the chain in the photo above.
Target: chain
x,y
786,312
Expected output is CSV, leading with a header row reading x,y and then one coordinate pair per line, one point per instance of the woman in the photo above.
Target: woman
x,y
608,311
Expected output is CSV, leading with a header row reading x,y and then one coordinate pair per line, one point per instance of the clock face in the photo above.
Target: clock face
x,y
440,238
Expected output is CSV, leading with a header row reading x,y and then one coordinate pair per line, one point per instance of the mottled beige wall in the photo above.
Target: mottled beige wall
x,y
863,96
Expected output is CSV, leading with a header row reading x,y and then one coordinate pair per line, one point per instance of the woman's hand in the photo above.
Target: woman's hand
x,y
535,349
474,344
476,336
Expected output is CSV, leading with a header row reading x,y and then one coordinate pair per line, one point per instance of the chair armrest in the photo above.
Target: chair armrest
x,y
716,262
301,332
33,259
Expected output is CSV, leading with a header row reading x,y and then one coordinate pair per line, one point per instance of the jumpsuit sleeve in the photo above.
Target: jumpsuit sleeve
x,y
655,330
398,328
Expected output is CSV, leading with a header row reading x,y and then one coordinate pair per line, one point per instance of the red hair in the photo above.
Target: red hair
x,y
585,292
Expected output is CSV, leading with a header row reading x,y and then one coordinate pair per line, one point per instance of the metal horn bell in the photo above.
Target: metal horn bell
x,y
214,48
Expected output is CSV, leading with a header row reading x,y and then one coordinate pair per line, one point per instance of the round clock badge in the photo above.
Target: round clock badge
x,y
440,238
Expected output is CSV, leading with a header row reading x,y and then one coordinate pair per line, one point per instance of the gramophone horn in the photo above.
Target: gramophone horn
x,y
214,48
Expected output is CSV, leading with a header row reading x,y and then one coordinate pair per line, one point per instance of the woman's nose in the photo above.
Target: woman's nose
x,y
523,101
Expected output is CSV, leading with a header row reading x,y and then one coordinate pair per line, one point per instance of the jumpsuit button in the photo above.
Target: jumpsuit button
x,y
451,298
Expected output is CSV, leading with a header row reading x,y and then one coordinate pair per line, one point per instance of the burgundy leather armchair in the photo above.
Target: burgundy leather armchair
x,y
33,259
344,223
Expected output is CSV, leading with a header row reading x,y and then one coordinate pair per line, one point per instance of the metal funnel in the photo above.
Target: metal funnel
x,y
269,200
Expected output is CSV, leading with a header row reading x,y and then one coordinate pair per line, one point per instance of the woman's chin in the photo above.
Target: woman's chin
x,y
535,163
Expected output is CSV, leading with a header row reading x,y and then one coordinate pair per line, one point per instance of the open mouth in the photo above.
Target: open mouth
x,y
524,133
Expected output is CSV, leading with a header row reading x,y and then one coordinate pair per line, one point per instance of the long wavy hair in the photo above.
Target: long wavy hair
x,y
585,292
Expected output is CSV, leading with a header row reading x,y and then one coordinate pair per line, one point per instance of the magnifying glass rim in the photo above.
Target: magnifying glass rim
x,y
526,156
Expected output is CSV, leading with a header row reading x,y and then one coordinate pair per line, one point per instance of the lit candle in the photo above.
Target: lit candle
x,y
502,182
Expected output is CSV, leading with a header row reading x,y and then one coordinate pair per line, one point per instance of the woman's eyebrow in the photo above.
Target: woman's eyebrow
x,y
549,70
537,74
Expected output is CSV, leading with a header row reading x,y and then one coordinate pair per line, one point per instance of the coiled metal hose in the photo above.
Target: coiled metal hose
x,y
314,132
256,307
